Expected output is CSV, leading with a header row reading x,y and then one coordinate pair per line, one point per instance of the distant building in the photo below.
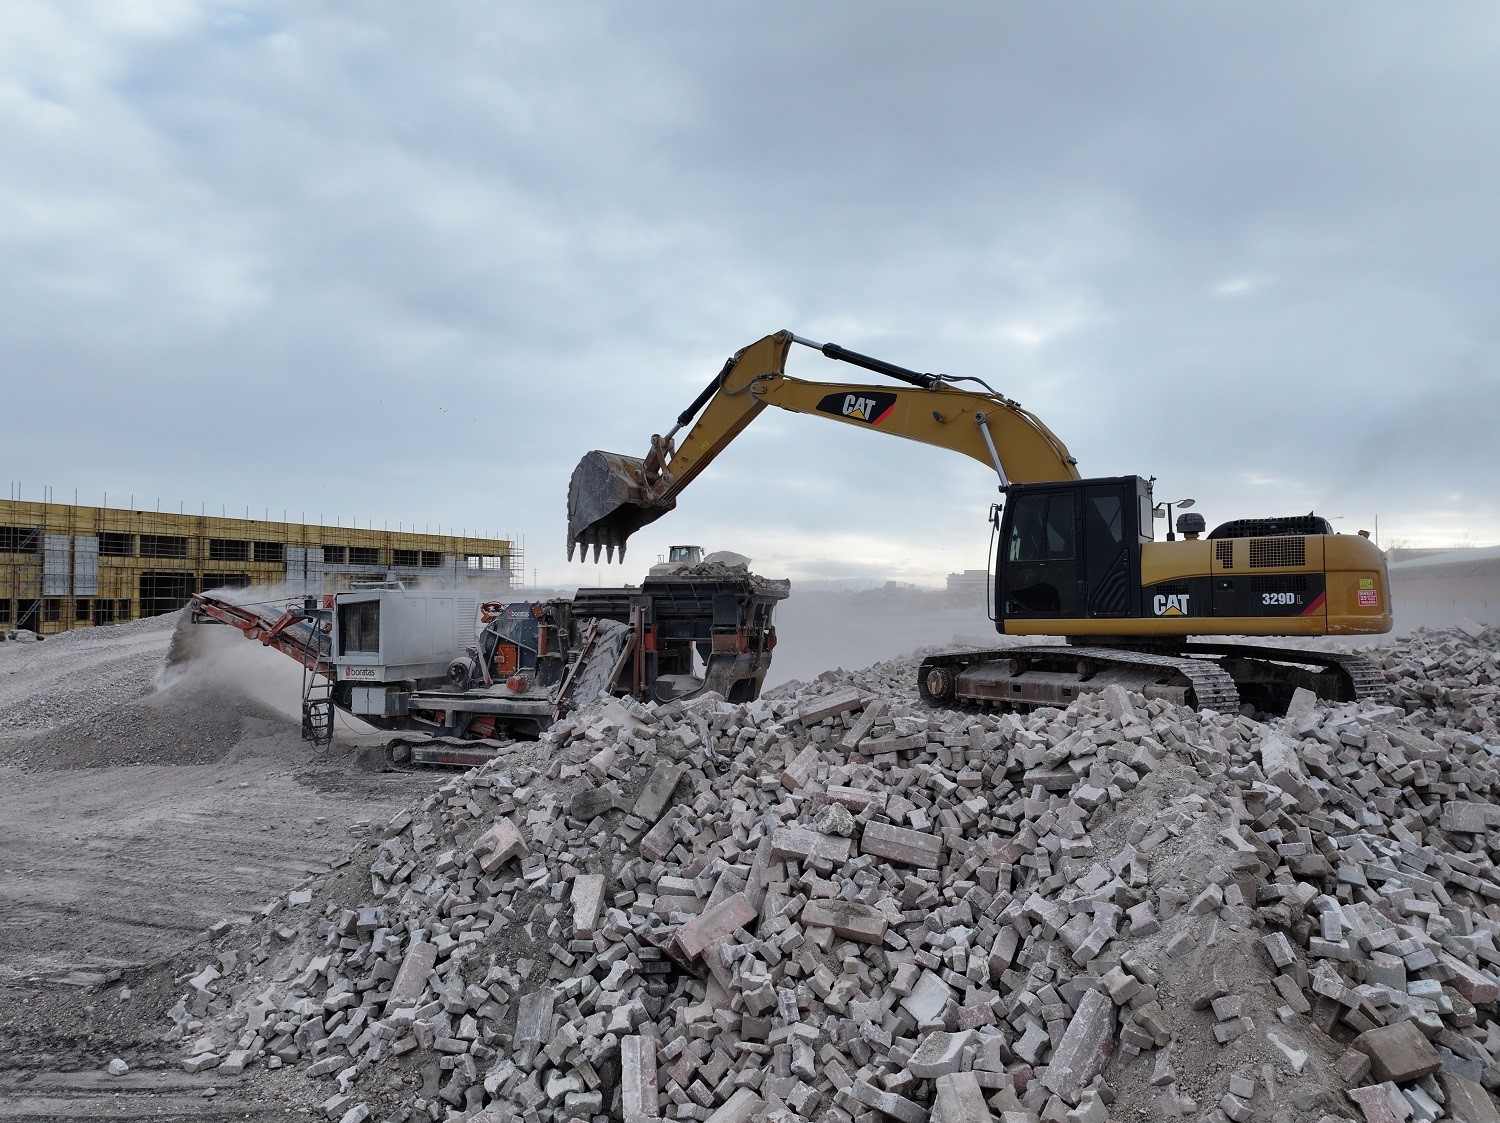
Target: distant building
x,y
969,587
64,566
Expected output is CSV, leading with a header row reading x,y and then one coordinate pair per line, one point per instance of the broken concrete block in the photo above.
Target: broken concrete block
x,y
830,705
1399,1052
804,845
739,1108
588,903
411,979
897,844
715,923
849,919
960,1099
1085,1046
1479,987
533,1026
861,728
888,1103
498,845
1469,816
1381,1103
939,1053
913,742
659,840
638,1078
1279,761
1304,704
1467,1100
657,793
928,999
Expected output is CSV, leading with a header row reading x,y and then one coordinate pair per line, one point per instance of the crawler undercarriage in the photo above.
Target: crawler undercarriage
x,y
1212,676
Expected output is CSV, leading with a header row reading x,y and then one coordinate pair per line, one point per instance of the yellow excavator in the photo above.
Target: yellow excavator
x,y
1076,558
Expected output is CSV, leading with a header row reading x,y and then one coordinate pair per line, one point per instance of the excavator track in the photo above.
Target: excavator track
x,y
1207,676
1028,677
1342,676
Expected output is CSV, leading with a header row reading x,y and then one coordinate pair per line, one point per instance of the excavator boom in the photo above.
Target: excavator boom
x,y
611,496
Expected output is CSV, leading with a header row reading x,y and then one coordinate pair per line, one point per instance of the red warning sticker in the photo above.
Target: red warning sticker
x,y
1368,598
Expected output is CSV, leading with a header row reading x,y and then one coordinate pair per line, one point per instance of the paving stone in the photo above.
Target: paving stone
x,y
1003,891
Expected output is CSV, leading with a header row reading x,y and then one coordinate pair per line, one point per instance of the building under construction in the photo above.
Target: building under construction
x,y
64,566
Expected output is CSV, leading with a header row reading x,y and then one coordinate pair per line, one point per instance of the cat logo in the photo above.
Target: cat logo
x,y
870,407
1170,604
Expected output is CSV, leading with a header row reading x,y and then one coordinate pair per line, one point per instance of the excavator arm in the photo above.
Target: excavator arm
x,y
611,496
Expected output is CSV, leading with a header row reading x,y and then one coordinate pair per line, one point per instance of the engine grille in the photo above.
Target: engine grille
x,y
1279,583
1225,552
1267,553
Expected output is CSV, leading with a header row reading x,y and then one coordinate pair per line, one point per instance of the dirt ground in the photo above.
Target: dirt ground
x,y
142,804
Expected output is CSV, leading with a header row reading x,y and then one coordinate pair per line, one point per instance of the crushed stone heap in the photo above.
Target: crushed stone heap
x,y
837,904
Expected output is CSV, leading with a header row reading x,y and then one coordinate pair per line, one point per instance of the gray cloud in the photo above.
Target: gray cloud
x,y
409,264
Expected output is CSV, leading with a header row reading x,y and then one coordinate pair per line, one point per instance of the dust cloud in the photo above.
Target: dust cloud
x,y
211,655
817,631
1446,591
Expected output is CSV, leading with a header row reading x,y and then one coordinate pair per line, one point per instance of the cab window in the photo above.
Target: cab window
x,y
1042,528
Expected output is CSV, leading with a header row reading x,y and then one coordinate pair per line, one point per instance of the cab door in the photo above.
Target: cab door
x,y
1108,537
1070,551
1038,568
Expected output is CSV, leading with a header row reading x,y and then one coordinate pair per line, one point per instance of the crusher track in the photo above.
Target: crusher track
x,y
1028,677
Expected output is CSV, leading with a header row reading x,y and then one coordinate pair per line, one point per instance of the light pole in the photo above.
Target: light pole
x,y
1184,504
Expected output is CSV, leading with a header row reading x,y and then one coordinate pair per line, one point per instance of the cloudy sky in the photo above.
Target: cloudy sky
x,y
406,263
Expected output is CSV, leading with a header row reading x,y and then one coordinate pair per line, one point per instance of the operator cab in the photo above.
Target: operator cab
x,y
1072,549
685,555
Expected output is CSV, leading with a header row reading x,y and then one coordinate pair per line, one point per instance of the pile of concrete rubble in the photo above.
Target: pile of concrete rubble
x,y
837,904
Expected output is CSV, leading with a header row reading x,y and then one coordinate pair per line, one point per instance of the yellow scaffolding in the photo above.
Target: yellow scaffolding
x,y
64,566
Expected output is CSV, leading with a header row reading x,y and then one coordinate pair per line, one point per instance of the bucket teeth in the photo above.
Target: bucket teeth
x,y
608,501
571,544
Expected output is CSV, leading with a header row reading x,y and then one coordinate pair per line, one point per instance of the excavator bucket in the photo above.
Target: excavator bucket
x,y
608,501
